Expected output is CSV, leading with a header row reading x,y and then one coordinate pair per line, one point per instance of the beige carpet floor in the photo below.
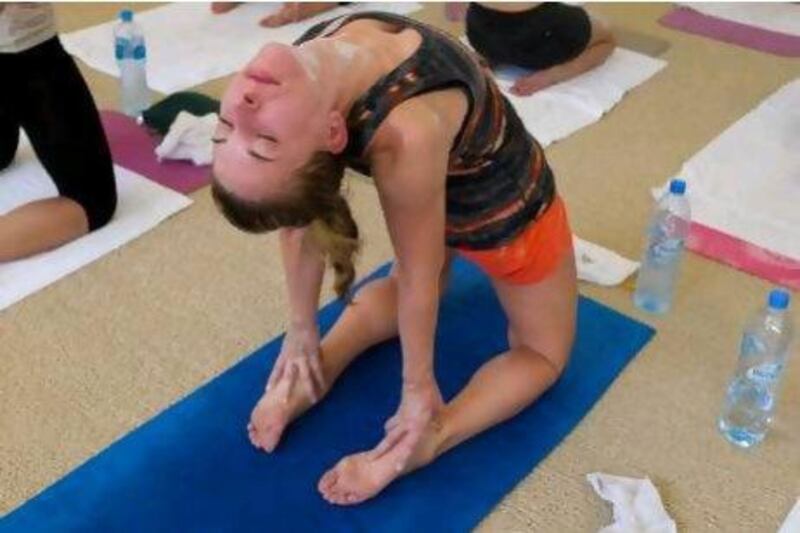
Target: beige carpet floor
x,y
90,358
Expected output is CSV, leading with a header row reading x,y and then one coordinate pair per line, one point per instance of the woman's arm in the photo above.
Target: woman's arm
x,y
411,186
304,269
412,193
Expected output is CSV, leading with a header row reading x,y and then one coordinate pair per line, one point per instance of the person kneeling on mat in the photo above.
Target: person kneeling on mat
x,y
456,173
44,94
557,41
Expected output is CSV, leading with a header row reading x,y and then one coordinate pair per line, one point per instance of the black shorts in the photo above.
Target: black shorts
x,y
43,92
541,37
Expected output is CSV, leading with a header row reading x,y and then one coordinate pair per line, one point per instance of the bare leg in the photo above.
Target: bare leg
x,y
601,44
371,319
541,330
40,226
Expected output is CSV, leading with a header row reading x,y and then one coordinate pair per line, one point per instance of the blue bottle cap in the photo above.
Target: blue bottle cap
x,y
778,299
126,15
677,187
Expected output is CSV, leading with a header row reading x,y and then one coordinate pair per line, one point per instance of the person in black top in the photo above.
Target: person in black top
x,y
557,41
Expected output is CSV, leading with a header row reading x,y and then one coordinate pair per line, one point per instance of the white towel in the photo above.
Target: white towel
x,y
562,109
746,182
792,522
142,205
189,138
599,265
782,17
188,45
637,504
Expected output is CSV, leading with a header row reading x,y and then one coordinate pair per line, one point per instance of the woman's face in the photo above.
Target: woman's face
x,y
271,122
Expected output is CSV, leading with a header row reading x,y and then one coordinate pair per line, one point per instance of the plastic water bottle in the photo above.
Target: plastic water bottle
x,y
131,55
667,233
752,392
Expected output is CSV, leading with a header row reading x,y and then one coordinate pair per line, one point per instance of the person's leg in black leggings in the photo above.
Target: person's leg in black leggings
x,y
56,110
557,41
9,122
65,130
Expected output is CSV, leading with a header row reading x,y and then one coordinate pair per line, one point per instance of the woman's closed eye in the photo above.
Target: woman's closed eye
x,y
224,127
264,148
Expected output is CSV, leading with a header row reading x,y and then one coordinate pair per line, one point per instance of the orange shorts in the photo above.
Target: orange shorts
x,y
534,254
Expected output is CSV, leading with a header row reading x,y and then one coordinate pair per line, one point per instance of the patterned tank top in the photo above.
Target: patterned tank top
x,y
497,178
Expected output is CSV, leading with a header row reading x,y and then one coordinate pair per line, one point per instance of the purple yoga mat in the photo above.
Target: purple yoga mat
x,y
691,21
133,147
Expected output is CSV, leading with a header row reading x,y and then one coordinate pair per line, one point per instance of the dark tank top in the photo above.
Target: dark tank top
x,y
497,178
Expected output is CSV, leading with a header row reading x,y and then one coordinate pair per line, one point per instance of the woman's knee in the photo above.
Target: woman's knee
x,y
555,354
8,146
101,212
99,205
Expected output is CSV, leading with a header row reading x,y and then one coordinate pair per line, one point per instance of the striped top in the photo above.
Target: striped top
x,y
497,176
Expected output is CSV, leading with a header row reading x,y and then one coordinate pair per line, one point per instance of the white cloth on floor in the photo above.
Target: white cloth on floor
x,y
189,138
637,504
562,109
792,522
600,265
782,17
746,182
188,45
142,204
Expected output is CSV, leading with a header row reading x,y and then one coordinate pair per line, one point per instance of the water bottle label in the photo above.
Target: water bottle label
x,y
139,52
665,251
121,45
767,374
752,346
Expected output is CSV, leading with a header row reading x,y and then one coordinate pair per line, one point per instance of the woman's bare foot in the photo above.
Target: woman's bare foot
x,y
359,477
275,410
223,7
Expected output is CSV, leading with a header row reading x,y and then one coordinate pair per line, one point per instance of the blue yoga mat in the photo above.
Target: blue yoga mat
x,y
191,468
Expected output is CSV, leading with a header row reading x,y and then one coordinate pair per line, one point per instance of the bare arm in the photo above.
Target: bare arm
x,y
412,193
304,269
411,186
299,360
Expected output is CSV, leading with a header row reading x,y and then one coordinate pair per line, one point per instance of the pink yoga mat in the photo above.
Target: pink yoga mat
x,y
744,256
691,21
133,147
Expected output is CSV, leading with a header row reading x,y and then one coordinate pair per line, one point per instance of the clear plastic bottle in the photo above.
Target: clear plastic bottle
x,y
752,392
667,232
131,55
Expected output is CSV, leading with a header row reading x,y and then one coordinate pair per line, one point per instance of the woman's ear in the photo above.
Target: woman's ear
x,y
336,134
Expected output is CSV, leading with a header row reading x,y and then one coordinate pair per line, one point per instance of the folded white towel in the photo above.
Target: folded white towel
x,y
637,504
189,138
746,182
792,522
599,265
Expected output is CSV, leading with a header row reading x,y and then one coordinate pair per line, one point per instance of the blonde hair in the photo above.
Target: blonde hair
x,y
314,201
